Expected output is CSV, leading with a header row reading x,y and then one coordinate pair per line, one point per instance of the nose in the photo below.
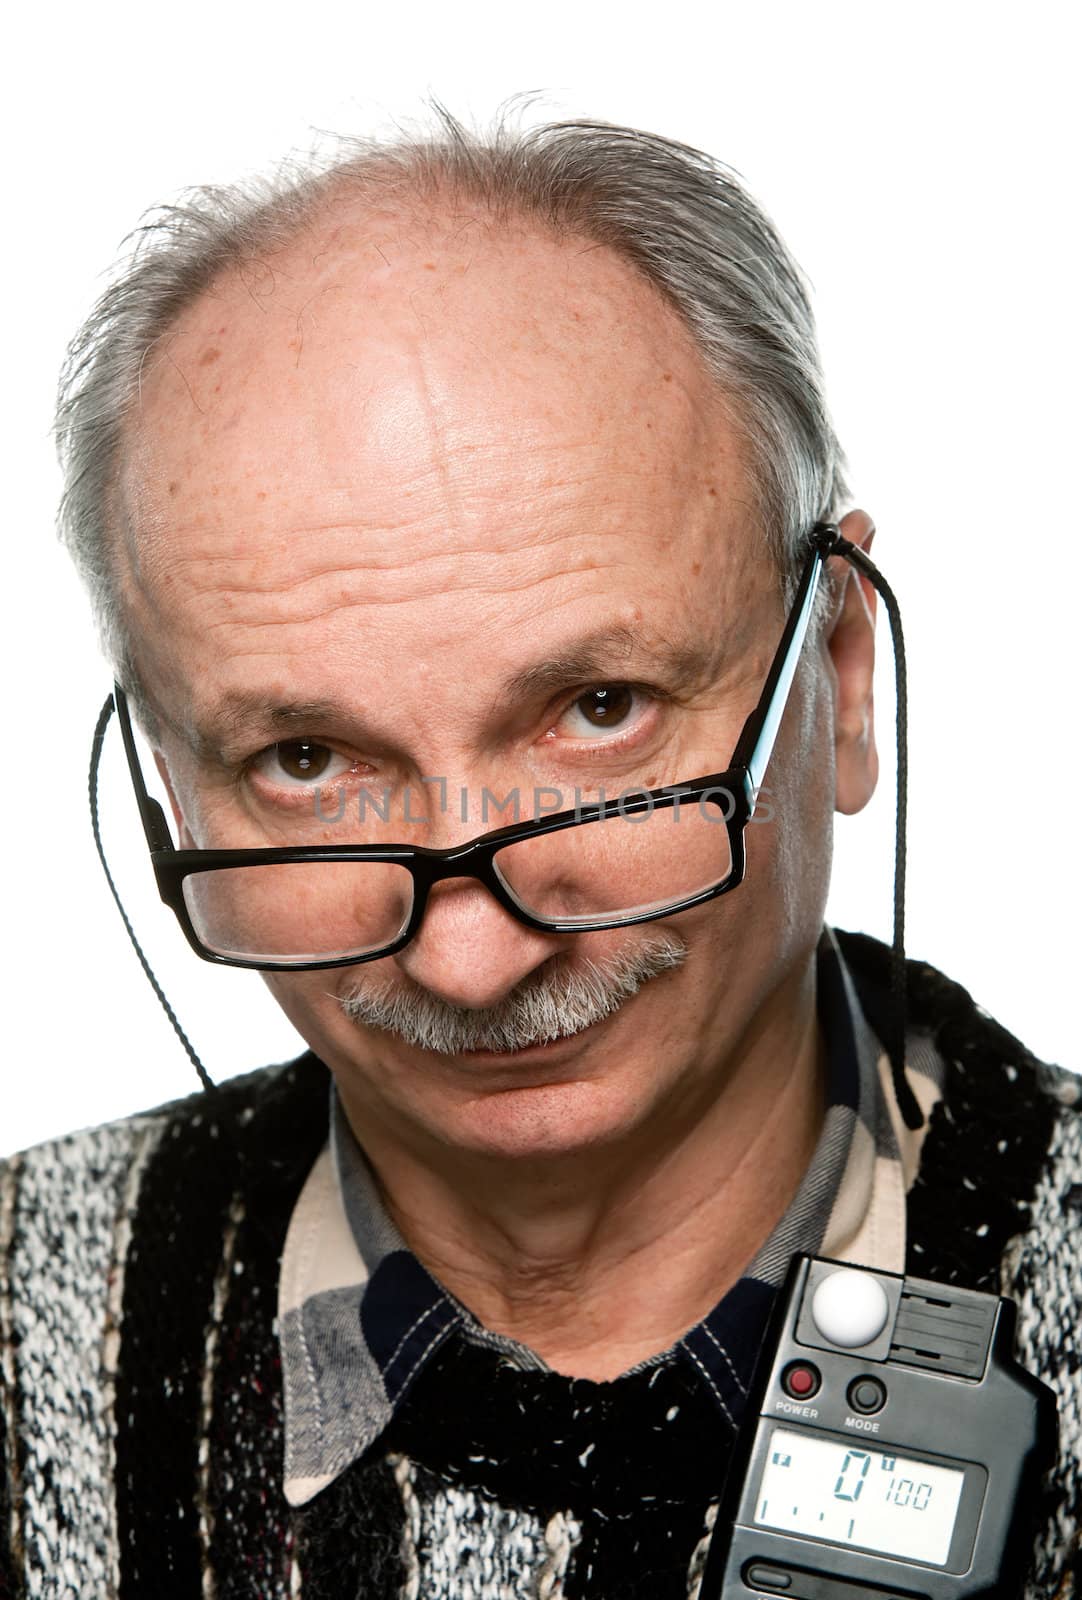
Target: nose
x,y
469,951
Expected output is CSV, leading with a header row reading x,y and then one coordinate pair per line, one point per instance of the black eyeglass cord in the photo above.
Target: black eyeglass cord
x,y
832,544
908,1104
95,760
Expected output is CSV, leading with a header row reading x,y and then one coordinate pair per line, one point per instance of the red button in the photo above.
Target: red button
x,y
800,1380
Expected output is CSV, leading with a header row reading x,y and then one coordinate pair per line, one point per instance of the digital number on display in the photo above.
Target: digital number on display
x,y
867,1498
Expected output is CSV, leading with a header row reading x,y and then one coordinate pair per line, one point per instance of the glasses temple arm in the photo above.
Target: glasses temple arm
x,y
759,733
151,814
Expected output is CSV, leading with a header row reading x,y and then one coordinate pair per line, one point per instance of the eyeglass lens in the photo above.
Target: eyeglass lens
x,y
628,865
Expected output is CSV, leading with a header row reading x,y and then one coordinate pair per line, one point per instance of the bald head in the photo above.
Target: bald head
x,y
678,219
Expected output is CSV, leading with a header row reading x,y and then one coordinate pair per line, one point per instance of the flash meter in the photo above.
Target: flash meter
x,y
892,1450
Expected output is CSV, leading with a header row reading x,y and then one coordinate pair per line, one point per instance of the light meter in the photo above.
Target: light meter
x,y
893,1446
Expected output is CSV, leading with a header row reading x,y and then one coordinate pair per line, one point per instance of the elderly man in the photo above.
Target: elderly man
x,y
458,485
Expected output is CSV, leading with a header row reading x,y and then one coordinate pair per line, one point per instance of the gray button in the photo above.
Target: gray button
x,y
867,1395
760,1576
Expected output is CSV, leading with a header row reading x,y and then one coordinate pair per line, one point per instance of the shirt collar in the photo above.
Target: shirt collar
x,y
358,1315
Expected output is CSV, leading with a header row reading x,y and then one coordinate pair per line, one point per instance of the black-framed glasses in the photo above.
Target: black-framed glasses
x,y
609,864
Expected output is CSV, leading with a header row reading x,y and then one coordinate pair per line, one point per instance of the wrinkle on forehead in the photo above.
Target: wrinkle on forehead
x,y
484,419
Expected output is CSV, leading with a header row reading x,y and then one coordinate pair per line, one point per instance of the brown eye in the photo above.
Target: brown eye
x,y
295,766
302,760
606,707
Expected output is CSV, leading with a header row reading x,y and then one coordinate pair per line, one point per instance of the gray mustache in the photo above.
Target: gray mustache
x,y
554,1006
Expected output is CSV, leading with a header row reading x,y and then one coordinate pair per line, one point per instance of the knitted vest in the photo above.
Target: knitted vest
x,y
142,1398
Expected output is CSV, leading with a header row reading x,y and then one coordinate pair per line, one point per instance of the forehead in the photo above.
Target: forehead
x,y
336,344
387,411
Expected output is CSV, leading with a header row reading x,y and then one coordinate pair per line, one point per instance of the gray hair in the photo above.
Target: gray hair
x,y
679,216
557,1002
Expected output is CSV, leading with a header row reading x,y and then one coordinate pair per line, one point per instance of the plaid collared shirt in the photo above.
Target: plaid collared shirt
x,y
359,1316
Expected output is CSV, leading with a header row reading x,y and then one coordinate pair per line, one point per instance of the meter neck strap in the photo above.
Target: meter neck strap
x,y
95,761
908,1105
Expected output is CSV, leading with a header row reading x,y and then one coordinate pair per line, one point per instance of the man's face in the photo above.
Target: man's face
x,y
381,478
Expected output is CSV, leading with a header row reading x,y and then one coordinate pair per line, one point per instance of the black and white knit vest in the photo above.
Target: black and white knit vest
x,y
142,1397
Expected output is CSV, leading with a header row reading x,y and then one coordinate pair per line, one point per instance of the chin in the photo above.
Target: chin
x,y
549,1120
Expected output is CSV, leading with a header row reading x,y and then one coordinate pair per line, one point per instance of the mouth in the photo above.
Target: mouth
x,y
534,1052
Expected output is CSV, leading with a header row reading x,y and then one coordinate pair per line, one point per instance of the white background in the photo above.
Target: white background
x,y
921,161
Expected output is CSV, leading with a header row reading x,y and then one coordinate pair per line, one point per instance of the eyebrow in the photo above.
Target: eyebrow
x,y
241,711
604,655
607,652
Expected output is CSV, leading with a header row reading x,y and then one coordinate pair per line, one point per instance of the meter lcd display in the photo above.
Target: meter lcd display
x,y
856,1495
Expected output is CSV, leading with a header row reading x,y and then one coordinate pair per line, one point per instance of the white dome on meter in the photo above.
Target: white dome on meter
x,y
850,1308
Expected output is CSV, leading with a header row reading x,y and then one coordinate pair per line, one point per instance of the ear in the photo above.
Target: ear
x,y
183,831
849,641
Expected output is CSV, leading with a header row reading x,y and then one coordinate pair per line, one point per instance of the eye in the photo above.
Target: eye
x,y
301,763
609,708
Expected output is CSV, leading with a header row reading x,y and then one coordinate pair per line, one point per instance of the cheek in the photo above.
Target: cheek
x,y
308,1000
